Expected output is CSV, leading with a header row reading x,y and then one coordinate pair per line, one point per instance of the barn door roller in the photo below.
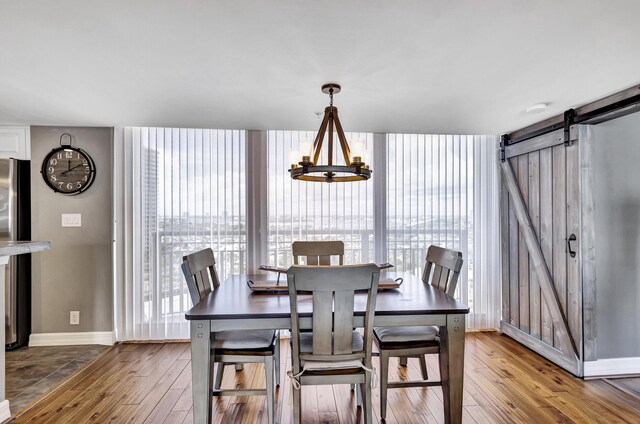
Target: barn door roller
x,y
504,140
569,119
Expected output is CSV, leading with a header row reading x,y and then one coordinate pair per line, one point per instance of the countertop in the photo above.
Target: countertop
x,y
9,248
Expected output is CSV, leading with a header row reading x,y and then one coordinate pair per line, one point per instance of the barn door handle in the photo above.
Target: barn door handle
x,y
571,238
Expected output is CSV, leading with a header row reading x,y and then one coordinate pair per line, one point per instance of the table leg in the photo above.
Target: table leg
x,y
452,367
201,380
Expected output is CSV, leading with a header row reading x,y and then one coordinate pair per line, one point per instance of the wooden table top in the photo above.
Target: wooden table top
x,y
234,300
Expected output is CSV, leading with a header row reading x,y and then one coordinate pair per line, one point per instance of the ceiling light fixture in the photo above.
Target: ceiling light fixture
x,y
354,168
537,108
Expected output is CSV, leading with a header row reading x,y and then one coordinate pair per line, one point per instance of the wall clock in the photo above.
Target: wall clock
x,y
67,169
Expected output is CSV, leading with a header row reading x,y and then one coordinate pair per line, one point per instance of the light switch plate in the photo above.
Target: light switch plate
x,y
71,220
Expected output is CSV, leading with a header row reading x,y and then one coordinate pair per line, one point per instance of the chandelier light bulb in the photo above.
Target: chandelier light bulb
x,y
305,148
294,158
365,155
358,149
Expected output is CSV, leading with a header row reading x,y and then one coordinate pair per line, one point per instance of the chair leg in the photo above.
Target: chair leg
x,y
423,367
403,361
366,394
239,367
268,371
219,375
352,386
212,376
277,359
384,378
358,395
297,405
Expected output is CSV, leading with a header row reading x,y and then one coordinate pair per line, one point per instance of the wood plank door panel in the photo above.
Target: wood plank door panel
x,y
546,234
540,208
535,295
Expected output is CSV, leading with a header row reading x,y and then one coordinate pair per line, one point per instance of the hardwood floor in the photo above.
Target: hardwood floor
x,y
504,383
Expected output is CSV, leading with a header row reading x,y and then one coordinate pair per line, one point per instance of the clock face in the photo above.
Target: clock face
x,y
68,170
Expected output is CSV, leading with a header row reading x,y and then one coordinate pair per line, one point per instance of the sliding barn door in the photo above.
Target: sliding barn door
x,y
541,277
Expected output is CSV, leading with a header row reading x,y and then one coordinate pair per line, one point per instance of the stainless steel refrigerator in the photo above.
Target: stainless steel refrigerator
x,y
15,224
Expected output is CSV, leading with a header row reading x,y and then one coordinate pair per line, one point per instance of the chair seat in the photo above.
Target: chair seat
x,y
406,334
245,341
339,371
332,368
306,342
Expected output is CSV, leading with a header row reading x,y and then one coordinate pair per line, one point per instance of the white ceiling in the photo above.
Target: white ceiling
x,y
464,66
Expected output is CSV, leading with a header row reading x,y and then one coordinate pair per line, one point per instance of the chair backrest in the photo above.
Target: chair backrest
x,y
332,290
443,265
199,270
317,252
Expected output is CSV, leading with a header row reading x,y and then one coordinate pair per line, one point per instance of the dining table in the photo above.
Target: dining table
x,y
234,306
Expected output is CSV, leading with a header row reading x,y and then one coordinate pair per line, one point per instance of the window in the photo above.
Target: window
x,y
430,197
443,190
182,190
190,187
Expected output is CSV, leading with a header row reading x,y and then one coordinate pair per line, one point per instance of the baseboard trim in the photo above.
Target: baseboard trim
x,y
612,367
5,413
67,339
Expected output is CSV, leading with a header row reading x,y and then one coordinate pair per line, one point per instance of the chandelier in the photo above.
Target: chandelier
x,y
304,163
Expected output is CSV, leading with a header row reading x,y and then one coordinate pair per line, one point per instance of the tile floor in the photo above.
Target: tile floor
x,y
33,371
630,386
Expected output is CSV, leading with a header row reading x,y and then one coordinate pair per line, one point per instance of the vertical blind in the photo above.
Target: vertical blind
x,y
184,190
443,190
181,190
300,210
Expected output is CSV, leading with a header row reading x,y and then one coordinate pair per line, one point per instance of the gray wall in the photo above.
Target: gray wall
x,y
76,274
617,231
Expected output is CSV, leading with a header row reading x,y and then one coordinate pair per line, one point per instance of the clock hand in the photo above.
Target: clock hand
x,y
68,165
70,169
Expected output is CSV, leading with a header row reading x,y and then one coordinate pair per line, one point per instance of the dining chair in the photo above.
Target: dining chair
x,y
442,269
333,352
242,346
317,252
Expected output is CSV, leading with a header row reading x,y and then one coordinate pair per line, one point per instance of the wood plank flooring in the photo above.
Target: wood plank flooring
x,y
504,383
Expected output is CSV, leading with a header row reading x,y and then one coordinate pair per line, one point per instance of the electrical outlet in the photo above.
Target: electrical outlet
x,y
74,318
